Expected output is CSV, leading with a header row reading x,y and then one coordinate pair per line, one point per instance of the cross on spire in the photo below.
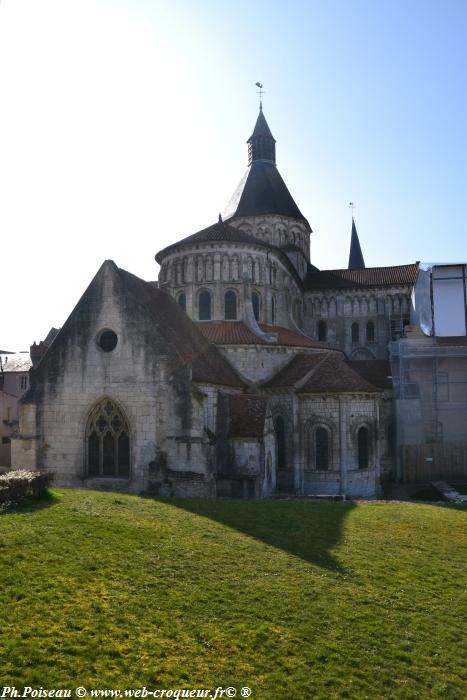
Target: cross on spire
x,y
260,93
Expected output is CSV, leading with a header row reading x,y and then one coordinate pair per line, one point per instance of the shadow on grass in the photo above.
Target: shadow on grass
x,y
31,504
308,530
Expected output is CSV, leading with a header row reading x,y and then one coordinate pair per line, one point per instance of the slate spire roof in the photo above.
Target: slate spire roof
x,y
262,189
261,144
356,261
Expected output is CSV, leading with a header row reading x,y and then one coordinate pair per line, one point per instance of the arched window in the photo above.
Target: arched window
x,y
370,332
256,301
204,304
108,441
322,330
230,306
279,427
355,333
322,449
273,310
182,301
363,448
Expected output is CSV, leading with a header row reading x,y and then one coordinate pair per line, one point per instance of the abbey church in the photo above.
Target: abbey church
x,y
243,371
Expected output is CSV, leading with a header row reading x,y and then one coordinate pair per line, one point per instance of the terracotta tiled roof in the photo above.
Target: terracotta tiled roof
x,y
336,375
247,415
294,371
329,372
288,337
219,232
229,333
238,333
366,277
377,372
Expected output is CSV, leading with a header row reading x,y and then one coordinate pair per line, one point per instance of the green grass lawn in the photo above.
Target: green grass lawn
x,y
292,598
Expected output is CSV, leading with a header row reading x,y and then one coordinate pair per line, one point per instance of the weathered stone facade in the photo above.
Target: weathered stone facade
x,y
244,371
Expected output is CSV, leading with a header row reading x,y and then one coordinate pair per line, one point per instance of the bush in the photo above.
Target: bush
x,y
17,485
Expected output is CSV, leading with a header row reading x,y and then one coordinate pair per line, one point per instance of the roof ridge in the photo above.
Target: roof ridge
x,y
376,267
301,382
357,374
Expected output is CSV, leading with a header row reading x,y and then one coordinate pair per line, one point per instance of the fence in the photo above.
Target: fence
x,y
446,462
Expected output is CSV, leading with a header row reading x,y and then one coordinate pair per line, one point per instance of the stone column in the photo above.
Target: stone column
x,y
343,459
298,470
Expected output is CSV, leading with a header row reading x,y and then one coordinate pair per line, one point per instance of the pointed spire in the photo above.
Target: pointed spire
x,y
356,261
261,144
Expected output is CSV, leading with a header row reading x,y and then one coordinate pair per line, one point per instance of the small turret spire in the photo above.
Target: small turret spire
x,y
356,261
261,144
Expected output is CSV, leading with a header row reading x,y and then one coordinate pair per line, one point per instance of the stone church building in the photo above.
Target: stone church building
x,y
244,371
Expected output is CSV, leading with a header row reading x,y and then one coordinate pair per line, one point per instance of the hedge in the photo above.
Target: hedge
x,y
19,484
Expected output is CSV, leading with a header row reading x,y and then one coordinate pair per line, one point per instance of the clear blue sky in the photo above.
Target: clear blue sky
x,y
123,128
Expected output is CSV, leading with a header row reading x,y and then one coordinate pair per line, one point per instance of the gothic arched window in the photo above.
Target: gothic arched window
x,y
204,306
255,299
363,440
273,310
107,441
370,332
230,306
279,428
322,449
182,301
322,331
355,333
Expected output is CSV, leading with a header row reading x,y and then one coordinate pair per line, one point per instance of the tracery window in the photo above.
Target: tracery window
x,y
107,441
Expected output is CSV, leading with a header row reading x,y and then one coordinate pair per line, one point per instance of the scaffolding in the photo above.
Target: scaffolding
x,y
429,377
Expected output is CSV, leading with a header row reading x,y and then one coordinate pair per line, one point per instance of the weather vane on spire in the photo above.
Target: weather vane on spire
x,y
260,93
352,206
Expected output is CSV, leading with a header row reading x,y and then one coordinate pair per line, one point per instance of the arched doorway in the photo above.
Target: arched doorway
x,y
107,441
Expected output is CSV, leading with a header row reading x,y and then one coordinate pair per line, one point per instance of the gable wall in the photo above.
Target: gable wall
x,y
137,375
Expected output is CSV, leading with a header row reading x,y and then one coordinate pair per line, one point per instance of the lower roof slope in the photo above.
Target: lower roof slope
x,y
238,333
330,372
365,277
